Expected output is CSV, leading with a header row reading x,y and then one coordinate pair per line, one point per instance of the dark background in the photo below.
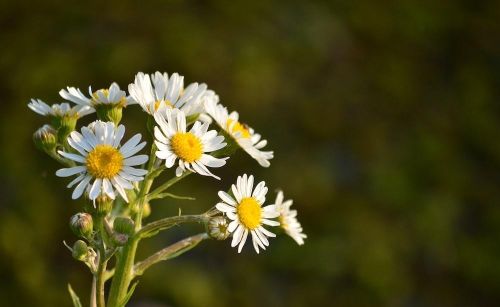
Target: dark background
x,y
384,119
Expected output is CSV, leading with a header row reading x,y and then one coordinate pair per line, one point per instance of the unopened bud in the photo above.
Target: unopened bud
x,y
80,250
103,205
109,112
82,225
64,125
124,225
146,211
45,138
217,228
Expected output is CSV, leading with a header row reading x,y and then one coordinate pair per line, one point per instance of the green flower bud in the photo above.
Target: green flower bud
x,y
45,138
80,250
124,225
64,125
103,205
82,225
217,228
109,112
146,211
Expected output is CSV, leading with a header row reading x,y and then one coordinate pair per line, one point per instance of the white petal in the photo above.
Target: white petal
x,y
81,187
227,198
66,172
243,240
72,156
136,160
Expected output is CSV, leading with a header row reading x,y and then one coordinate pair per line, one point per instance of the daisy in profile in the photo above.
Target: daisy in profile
x,y
245,136
189,147
247,213
288,219
104,166
159,90
113,96
59,110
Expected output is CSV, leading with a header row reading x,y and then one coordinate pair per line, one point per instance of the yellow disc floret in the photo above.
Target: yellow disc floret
x,y
249,212
235,126
159,103
104,161
187,146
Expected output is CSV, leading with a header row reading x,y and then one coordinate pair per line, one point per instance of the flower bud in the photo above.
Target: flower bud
x,y
217,228
45,138
82,225
124,225
146,211
103,205
80,250
109,113
120,239
65,125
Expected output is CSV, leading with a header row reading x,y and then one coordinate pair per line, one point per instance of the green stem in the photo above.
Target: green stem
x,y
125,263
169,222
93,297
167,185
100,279
103,261
169,252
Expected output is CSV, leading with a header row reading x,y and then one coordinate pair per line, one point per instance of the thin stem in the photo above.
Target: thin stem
x,y
169,252
100,279
169,222
167,185
93,297
103,261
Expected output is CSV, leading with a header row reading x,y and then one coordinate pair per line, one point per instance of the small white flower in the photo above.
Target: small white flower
x,y
112,96
158,91
288,219
244,135
174,142
247,214
103,160
59,110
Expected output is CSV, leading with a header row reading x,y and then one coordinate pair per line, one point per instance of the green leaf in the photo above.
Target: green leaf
x,y
74,297
129,295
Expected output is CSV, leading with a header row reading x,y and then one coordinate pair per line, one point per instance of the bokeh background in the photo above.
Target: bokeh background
x,y
383,115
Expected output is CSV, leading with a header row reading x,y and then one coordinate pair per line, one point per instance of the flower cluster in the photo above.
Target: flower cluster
x,y
192,131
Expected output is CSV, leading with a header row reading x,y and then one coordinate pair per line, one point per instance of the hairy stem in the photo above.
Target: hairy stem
x,y
169,252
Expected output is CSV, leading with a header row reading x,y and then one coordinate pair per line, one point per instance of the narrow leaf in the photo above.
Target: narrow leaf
x,y
74,297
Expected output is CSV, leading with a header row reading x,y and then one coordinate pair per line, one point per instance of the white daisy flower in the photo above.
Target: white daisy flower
x,y
158,90
59,110
174,142
288,219
103,161
247,214
245,136
109,97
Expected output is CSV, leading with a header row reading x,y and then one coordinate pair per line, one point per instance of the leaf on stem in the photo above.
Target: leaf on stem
x,y
74,297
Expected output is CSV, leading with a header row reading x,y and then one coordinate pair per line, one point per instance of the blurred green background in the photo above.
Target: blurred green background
x,y
384,119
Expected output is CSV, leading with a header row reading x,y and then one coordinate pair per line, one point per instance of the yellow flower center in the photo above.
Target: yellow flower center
x,y
238,127
95,98
104,161
158,104
187,146
249,212
282,221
